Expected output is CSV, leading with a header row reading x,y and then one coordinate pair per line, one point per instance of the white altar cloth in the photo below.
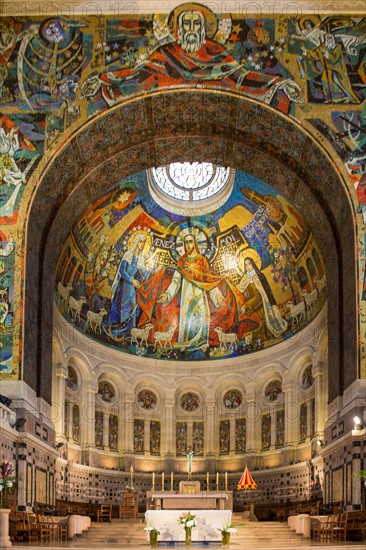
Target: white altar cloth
x,y
77,524
207,524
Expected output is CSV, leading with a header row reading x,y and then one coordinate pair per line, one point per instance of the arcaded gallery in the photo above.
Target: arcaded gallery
x,y
182,274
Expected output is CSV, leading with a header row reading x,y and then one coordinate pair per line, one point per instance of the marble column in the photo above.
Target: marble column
x,y
210,429
128,422
232,436
292,414
272,413
147,431
61,376
87,414
189,434
168,435
321,399
69,419
106,430
254,442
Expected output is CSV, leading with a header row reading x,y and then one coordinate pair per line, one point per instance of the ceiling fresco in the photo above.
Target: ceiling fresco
x,y
63,72
158,284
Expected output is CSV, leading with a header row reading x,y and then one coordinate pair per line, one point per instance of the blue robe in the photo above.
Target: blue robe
x,y
124,309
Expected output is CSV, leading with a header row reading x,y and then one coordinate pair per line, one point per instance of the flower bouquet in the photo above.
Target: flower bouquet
x,y
6,481
153,535
226,532
188,520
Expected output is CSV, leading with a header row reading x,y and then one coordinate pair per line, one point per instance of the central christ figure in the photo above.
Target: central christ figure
x,y
197,284
192,60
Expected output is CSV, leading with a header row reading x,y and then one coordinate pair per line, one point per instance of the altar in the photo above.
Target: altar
x,y
207,524
205,500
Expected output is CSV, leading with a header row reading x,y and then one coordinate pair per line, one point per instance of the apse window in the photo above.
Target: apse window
x,y
192,184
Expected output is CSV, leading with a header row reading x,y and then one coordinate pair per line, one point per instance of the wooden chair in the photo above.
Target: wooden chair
x,y
63,531
104,513
33,533
20,526
48,529
339,529
323,529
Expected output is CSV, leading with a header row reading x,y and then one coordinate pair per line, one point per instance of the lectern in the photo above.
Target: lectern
x,y
129,505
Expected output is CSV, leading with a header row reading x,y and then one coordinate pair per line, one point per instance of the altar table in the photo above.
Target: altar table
x,y
207,524
206,500
77,524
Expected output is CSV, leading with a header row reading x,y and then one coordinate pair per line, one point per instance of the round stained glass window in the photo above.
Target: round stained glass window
x,y
190,402
106,391
233,399
191,184
147,400
273,391
188,181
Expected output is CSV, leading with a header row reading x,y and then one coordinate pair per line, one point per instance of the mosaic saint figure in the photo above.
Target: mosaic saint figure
x,y
193,59
323,62
9,145
131,272
259,298
196,283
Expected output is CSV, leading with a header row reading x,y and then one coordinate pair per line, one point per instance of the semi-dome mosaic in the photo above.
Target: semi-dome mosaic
x,y
159,284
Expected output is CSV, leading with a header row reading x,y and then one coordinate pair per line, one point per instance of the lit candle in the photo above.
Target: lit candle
x,y
225,481
131,477
171,481
208,481
162,481
153,481
217,480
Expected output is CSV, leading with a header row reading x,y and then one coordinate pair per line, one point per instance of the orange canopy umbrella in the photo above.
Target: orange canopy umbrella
x,y
246,481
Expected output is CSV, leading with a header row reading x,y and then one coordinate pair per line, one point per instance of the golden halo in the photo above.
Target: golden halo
x,y
245,252
147,242
208,14
301,22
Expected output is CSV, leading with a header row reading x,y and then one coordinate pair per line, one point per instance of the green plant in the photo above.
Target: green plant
x,y
152,529
6,481
188,520
229,528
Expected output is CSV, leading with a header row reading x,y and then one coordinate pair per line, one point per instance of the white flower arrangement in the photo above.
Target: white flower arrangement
x,y
229,528
151,529
6,480
188,520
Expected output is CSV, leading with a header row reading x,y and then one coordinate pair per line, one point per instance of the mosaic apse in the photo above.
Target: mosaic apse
x,y
157,284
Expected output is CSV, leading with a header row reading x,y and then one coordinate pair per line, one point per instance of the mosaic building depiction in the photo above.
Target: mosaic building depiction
x,y
182,250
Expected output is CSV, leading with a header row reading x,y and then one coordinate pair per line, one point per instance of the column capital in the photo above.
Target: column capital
x,y
288,386
318,369
61,371
91,387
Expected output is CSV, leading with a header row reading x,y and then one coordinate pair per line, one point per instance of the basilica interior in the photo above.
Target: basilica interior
x,y
182,254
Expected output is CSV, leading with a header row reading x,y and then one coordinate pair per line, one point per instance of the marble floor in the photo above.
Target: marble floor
x,y
250,536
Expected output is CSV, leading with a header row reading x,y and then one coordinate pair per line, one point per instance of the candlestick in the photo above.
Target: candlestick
x,y
225,481
217,481
171,481
207,481
153,482
162,481
131,477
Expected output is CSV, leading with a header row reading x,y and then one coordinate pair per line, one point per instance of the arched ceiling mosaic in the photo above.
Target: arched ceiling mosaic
x,y
158,283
